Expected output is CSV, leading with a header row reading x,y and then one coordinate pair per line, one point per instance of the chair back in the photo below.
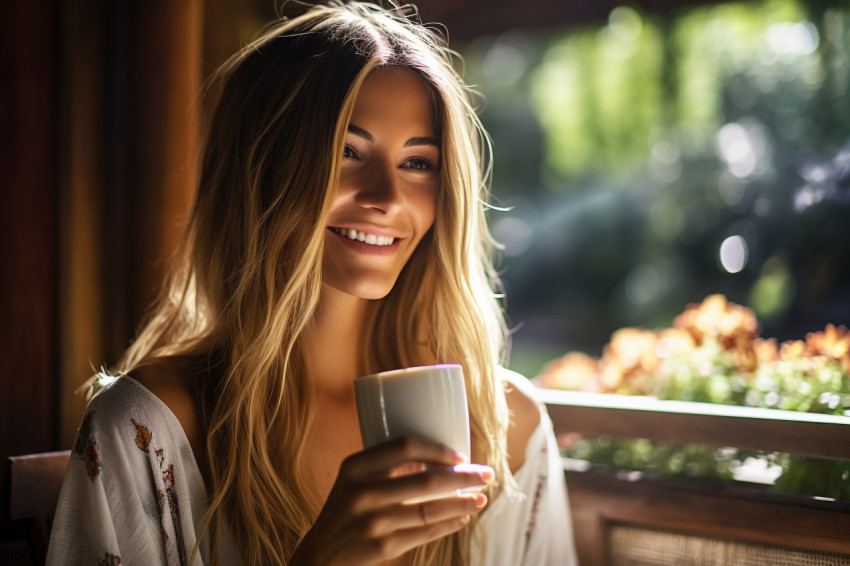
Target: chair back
x,y
34,484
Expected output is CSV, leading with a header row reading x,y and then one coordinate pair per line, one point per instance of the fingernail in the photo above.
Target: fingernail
x,y
483,472
480,501
464,519
461,458
487,475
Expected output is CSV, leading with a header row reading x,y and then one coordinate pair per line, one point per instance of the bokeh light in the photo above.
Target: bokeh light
x,y
734,254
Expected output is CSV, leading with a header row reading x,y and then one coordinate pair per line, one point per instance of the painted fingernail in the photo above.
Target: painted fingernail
x,y
486,475
461,458
480,501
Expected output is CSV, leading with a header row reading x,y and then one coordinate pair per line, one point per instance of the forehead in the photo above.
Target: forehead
x,y
395,96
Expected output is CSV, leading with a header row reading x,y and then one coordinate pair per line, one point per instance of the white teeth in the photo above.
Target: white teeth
x,y
371,239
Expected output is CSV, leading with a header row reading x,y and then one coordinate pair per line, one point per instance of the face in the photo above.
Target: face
x,y
388,184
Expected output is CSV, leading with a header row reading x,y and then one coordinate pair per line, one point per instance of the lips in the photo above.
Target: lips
x,y
366,243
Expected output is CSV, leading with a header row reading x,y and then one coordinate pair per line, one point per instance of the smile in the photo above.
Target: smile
x,y
364,237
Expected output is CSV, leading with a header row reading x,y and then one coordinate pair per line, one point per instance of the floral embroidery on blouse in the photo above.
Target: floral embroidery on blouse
x,y
535,507
168,499
143,436
86,447
109,560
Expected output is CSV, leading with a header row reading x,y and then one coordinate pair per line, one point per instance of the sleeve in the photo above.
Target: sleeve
x,y
117,505
529,526
549,530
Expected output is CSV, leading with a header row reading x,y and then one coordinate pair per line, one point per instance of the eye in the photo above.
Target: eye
x,y
348,152
419,164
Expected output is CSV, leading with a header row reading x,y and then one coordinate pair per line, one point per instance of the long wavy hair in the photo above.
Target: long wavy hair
x,y
245,280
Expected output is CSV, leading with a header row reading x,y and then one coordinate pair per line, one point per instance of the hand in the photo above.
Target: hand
x,y
365,518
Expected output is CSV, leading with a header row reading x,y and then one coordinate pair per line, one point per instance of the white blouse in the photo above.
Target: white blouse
x,y
133,494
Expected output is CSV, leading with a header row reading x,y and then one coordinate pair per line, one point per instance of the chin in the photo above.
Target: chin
x,y
366,290
372,292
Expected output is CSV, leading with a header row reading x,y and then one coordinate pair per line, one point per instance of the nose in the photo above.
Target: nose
x,y
380,190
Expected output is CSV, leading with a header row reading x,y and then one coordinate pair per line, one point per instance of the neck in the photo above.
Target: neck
x,y
334,342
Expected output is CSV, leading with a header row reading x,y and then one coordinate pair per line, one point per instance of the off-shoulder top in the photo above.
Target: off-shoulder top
x,y
133,494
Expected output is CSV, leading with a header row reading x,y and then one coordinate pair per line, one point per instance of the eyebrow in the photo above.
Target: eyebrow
x,y
360,132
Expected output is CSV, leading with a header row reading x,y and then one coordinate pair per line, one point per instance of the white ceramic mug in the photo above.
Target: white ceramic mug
x,y
426,402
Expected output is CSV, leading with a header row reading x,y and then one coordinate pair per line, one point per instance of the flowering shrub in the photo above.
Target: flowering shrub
x,y
712,353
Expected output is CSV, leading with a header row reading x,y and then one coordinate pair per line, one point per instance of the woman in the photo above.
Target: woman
x,y
338,230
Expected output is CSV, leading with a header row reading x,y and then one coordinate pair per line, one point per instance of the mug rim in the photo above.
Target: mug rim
x,y
402,371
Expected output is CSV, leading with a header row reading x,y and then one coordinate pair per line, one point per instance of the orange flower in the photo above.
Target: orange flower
x,y
631,362
717,317
574,371
674,342
633,348
766,350
612,376
793,350
833,342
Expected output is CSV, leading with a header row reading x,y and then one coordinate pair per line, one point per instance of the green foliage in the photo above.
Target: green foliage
x,y
631,150
628,152
689,460
815,477
813,385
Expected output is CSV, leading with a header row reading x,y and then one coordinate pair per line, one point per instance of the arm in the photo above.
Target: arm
x,y
126,486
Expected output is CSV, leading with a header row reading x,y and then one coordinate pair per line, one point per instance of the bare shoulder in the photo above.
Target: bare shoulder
x,y
175,391
524,408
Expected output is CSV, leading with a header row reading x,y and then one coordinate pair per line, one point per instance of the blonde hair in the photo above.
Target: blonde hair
x,y
245,280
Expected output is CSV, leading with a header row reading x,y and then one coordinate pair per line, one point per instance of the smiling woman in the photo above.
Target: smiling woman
x,y
338,230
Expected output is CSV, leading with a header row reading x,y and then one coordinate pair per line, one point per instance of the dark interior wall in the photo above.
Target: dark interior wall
x,y
28,227
99,118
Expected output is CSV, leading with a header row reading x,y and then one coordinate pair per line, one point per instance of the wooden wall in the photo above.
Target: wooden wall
x,y
29,173
99,119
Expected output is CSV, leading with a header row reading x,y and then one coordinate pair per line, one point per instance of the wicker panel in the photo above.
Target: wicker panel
x,y
631,546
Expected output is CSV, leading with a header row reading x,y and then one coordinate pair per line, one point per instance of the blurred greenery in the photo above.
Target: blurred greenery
x,y
652,160
664,459
632,150
788,474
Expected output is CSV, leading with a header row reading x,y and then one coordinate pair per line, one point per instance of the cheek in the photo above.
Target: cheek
x,y
342,195
426,211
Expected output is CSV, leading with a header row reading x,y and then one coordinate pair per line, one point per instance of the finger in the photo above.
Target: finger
x,y
408,468
403,540
439,510
435,482
377,460
406,516
439,480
